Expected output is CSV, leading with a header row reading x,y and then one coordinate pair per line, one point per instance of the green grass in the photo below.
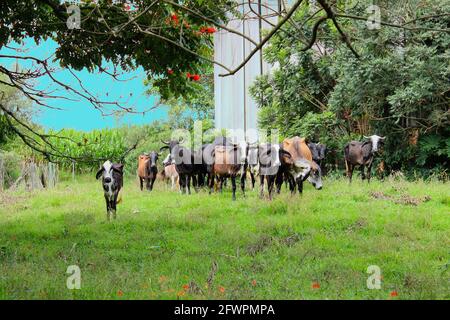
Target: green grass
x,y
162,241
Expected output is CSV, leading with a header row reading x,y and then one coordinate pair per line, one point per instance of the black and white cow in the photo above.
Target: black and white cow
x,y
112,181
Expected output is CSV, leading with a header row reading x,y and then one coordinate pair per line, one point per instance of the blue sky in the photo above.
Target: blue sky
x,y
80,114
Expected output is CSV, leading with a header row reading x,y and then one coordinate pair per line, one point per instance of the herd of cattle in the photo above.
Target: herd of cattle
x,y
293,161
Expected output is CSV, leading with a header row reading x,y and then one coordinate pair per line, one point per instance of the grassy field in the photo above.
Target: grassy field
x,y
167,246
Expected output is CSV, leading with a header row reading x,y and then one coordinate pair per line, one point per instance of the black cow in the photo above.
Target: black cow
x,y
187,164
112,181
318,152
152,169
362,154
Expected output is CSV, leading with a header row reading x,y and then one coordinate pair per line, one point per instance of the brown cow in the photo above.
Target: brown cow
x,y
300,165
147,170
227,163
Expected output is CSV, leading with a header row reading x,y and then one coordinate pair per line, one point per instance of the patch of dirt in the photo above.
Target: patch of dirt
x,y
402,199
357,225
290,240
8,199
259,245
380,195
264,241
194,288
406,199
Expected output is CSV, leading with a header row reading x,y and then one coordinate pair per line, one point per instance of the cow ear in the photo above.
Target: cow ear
x,y
99,173
118,167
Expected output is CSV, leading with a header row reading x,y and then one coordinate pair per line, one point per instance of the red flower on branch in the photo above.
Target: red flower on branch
x,y
196,77
174,17
169,71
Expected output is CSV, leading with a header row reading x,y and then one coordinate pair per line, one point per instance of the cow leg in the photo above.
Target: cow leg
x,y
363,175
182,181
369,170
188,183
261,186
233,186
211,183
196,182
208,178
141,183
252,177
243,177
107,208
173,182
350,168
114,206
279,181
270,183
152,183
291,185
221,184
300,185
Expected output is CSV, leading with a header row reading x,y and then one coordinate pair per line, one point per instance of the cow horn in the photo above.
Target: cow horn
x,y
162,148
366,137
382,138
165,142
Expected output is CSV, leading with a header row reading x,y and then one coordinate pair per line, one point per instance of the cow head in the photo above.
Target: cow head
x,y
315,176
153,159
107,170
243,151
376,141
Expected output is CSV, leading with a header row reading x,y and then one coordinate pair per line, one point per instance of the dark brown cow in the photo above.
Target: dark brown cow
x,y
361,154
147,170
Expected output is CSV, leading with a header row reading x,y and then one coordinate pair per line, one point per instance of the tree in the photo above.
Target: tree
x,y
398,86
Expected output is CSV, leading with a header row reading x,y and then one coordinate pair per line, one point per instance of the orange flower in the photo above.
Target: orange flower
x,y
315,285
186,287
181,293
120,293
254,283
211,30
221,289
394,293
